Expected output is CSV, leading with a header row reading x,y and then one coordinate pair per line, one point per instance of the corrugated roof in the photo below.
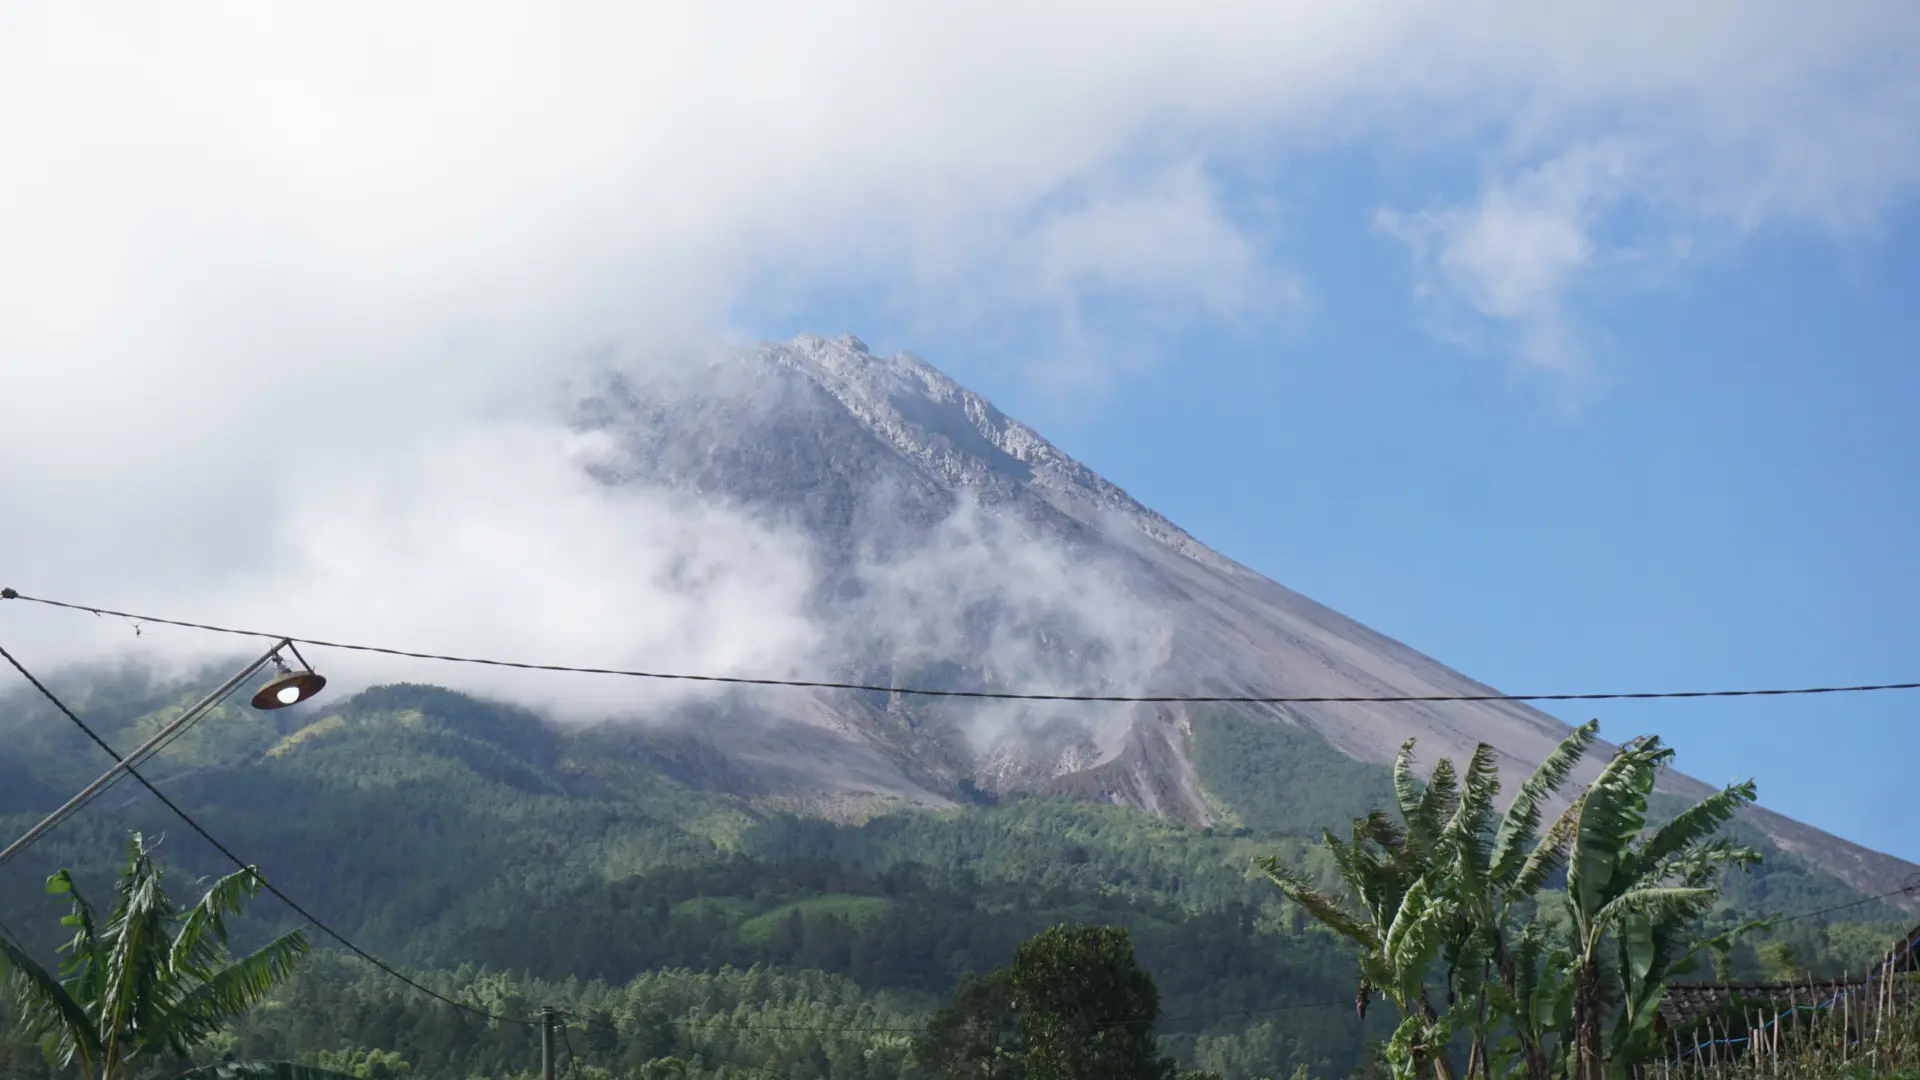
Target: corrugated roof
x,y
1685,1003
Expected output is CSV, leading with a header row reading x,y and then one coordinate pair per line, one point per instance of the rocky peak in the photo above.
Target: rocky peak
x,y
1059,580
963,439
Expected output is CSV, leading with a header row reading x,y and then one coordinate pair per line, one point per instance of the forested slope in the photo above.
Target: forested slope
x,y
585,868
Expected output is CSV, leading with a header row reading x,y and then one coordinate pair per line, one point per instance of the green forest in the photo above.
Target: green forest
x,y
511,864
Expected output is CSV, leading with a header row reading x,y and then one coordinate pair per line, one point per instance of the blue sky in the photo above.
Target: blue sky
x,y
1730,501
1571,344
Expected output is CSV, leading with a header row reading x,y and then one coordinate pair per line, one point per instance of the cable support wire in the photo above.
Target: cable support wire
x,y
122,765
573,1060
699,1051
845,1030
246,866
11,594
154,753
989,695
713,1058
1910,888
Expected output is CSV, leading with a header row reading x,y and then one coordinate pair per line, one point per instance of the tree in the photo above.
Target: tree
x,y
1086,1008
654,1035
602,1038
1074,1006
1641,893
368,1064
1780,962
1386,867
1438,893
153,981
974,1036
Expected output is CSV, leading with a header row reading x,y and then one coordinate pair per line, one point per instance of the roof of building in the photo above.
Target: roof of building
x,y
1686,1003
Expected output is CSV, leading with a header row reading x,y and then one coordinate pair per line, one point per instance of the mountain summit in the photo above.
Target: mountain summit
x,y
957,548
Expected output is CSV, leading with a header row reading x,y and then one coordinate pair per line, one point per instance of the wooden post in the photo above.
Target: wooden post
x,y
1846,1018
1793,1001
1879,1017
1773,1044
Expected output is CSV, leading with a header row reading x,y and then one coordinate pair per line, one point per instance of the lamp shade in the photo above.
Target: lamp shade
x,y
291,688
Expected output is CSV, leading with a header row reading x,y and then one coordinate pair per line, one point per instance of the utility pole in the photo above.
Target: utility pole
x,y
547,1019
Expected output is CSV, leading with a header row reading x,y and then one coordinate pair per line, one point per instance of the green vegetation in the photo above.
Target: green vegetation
x,y
1639,894
851,911
148,987
977,1034
594,870
1085,1009
1280,779
1876,1033
1456,926
1436,892
1073,1006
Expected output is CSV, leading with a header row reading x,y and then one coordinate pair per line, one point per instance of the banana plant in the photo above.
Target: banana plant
x,y
1651,951
1493,869
1473,867
1537,1004
142,989
1397,952
1642,892
1403,921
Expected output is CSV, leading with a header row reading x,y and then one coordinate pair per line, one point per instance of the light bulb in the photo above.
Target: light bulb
x,y
288,694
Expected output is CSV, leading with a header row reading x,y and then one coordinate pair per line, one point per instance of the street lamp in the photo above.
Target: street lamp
x,y
288,688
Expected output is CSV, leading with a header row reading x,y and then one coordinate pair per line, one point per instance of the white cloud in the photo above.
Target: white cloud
x,y
494,542
1158,237
1641,135
1514,252
268,265
1157,244
1018,609
490,541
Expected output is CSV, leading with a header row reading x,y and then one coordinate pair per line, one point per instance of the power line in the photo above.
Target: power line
x,y
991,695
714,1058
724,1022
700,1051
11,594
73,808
573,1060
793,1028
1341,1004
155,752
721,1022
1912,886
243,864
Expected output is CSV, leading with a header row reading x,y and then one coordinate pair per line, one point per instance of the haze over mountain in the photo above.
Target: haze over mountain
x,y
619,832
954,547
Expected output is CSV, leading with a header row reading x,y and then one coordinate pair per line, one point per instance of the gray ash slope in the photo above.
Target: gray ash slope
x,y
956,547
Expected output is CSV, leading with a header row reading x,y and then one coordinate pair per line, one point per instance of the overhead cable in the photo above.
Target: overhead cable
x,y
246,866
990,695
